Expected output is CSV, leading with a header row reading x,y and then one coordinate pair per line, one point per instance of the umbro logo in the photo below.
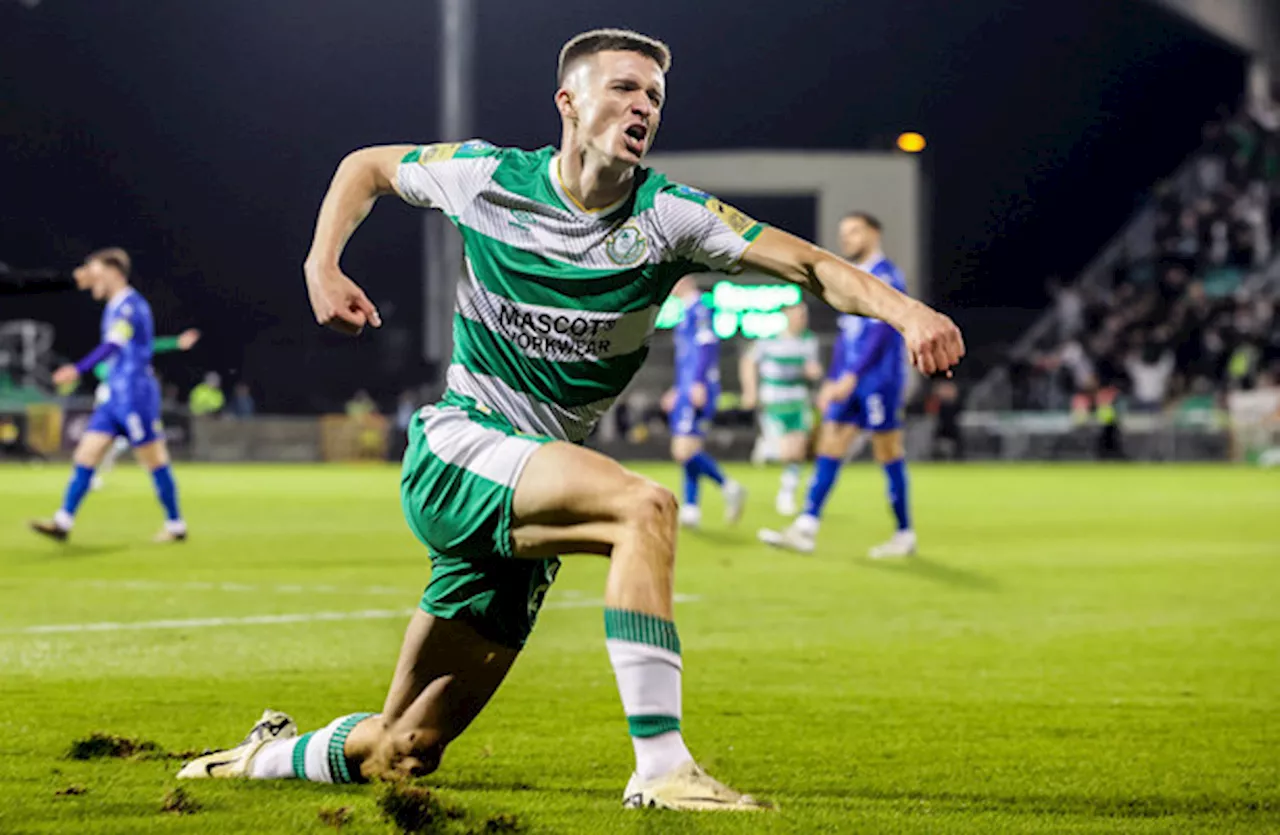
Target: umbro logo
x,y
523,219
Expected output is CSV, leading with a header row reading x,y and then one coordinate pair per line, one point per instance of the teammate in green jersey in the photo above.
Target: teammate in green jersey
x,y
569,254
776,375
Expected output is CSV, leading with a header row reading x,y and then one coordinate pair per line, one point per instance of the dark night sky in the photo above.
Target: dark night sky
x,y
202,135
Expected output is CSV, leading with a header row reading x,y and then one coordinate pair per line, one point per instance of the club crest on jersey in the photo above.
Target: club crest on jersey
x,y
627,245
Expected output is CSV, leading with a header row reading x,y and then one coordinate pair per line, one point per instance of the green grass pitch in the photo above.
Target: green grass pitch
x,y
1077,649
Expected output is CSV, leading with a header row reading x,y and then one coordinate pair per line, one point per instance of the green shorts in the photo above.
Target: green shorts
x,y
776,423
457,484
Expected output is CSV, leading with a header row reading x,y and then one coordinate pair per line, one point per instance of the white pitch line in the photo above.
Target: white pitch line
x,y
272,620
153,585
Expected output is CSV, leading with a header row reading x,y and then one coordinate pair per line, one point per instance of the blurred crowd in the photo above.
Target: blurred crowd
x,y
1190,309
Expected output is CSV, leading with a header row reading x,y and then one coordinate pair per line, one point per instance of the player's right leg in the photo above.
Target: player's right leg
x,y
574,500
153,453
688,427
89,452
791,451
835,436
889,450
109,461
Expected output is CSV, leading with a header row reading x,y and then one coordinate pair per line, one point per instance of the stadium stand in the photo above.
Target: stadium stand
x,y
1182,304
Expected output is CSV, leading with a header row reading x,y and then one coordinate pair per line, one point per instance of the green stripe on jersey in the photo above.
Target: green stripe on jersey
x,y
524,173
532,278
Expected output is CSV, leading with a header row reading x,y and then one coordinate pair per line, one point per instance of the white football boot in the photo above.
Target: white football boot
x,y
800,536
735,501
690,516
688,789
902,544
234,762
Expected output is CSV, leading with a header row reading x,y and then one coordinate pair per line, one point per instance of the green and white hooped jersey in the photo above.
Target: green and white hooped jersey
x,y
781,362
557,304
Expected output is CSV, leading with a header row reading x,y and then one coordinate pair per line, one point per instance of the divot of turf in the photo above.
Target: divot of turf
x,y
500,824
176,801
98,745
414,808
70,791
337,817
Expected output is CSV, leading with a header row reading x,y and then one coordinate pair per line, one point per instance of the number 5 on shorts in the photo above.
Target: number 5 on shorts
x,y
875,410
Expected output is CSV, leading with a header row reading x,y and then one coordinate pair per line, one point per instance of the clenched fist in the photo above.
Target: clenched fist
x,y
338,302
933,341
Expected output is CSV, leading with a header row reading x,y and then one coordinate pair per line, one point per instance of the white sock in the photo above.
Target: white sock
x,y
807,524
175,526
63,519
790,479
645,653
661,754
318,756
109,460
274,761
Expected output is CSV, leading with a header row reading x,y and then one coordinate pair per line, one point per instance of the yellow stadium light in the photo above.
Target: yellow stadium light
x,y
911,142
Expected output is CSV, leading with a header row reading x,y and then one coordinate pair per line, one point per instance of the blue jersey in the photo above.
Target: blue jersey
x,y
871,349
697,350
127,322
129,400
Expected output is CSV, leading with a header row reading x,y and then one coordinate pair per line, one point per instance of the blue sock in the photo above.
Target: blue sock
x,y
691,472
167,492
709,467
77,487
896,473
825,470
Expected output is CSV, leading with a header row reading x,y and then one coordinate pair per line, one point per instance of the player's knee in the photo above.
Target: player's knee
x,y
888,446
648,506
403,754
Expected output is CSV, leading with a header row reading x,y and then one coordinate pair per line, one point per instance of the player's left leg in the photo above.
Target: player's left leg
x,y
146,436
792,427
114,451
688,427
153,453
89,452
835,435
792,448
889,450
447,672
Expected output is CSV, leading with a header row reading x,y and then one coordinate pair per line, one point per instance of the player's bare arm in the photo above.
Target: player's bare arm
x,y
362,177
933,340
841,389
747,374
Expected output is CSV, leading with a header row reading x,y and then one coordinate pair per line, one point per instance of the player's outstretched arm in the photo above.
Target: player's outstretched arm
x,y
362,177
933,340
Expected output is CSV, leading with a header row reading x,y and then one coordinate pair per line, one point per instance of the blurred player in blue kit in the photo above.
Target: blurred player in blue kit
x,y
693,405
130,404
864,392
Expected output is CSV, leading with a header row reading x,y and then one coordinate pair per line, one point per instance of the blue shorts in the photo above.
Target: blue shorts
x,y
689,420
875,410
136,418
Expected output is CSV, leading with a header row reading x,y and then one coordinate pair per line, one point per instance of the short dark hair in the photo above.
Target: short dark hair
x,y
609,40
113,256
867,218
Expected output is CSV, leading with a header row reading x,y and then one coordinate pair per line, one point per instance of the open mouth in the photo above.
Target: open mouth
x,y
635,138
